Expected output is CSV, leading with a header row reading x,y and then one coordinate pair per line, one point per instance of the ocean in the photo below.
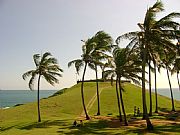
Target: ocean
x,y
9,98
166,92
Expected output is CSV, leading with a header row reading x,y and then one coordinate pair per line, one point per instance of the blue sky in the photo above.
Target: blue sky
x,y
58,26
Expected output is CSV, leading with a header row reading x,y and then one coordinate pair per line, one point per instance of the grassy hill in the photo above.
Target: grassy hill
x,y
59,112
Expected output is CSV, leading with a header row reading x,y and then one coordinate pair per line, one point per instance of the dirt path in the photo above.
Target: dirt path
x,y
90,103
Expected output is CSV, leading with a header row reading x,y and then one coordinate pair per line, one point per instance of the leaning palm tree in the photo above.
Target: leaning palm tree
x,y
176,63
175,69
46,67
85,61
167,60
125,66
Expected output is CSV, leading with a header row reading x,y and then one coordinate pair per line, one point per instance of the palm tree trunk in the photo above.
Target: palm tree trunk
x,y
98,100
38,103
155,82
145,115
172,99
117,94
82,93
122,103
178,79
150,94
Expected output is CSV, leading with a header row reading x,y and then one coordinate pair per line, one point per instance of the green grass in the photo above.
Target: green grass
x,y
59,112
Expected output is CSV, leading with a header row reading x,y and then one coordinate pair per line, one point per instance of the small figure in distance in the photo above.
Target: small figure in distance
x,y
74,123
135,110
138,112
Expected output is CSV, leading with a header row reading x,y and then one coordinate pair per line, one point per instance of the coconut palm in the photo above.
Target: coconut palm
x,y
153,57
175,69
167,60
153,34
111,72
103,44
125,66
176,63
46,67
85,61
150,95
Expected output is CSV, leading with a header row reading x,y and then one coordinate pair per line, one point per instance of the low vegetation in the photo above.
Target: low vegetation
x,y
59,112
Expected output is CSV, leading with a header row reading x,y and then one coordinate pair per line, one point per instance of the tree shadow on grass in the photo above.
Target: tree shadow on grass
x,y
43,124
100,127
169,115
165,129
163,109
4,129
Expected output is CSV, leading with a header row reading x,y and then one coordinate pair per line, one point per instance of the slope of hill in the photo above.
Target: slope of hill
x,y
59,112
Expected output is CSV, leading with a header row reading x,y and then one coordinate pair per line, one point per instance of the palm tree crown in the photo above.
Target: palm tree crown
x,y
47,67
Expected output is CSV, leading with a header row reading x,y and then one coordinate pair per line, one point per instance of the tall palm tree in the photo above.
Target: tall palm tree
x,y
153,33
176,63
86,60
103,44
153,56
112,73
155,87
167,60
176,68
125,66
150,95
46,67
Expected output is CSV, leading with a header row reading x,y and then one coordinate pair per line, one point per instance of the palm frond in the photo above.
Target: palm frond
x,y
45,56
50,78
31,81
129,35
36,58
27,74
55,74
78,64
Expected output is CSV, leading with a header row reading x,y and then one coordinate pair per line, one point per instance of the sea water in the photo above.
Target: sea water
x,y
166,92
9,98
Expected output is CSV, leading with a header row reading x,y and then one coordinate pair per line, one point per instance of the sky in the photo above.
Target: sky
x,y
29,27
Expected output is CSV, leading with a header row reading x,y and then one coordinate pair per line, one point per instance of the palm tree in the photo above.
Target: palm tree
x,y
46,67
153,33
150,95
103,44
176,64
167,60
112,73
176,68
154,57
155,87
86,60
125,66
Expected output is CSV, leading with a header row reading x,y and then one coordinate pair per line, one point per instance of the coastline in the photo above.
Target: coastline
x,y
11,98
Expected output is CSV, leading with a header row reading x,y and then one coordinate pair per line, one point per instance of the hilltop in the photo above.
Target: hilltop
x,y
59,111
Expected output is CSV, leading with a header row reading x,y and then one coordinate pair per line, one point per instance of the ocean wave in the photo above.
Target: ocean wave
x,y
7,107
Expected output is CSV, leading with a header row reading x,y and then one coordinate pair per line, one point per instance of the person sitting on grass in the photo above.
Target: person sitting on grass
x,y
135,110
74,123
138,112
